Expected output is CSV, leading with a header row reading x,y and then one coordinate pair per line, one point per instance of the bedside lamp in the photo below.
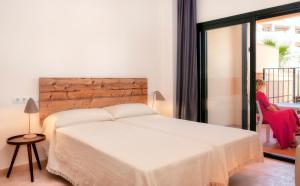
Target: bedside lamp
x,y
30,108
157,96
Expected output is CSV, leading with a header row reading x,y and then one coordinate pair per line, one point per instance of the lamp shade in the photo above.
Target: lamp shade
x,y
31,107
159,96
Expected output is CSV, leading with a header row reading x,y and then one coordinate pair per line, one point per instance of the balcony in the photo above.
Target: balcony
x,y
282,84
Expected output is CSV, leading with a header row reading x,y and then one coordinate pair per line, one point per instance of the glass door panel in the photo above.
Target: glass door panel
x,y
227,76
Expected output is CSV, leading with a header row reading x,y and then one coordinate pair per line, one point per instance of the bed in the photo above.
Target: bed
x,y
234,147
129,144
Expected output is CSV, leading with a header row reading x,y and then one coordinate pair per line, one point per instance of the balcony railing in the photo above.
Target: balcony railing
x,y
282,84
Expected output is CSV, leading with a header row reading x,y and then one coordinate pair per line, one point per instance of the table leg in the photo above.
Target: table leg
x,y
36,156
13,161
30,161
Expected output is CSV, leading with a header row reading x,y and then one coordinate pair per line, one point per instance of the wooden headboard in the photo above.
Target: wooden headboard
x,y
58,94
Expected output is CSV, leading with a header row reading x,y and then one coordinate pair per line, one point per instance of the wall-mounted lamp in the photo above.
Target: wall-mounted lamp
x,y
157,96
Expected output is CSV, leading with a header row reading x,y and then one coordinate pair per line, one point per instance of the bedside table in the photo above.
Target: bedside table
x,y
19,140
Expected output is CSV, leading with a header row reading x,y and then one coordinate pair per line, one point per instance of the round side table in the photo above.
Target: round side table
x,y
20,140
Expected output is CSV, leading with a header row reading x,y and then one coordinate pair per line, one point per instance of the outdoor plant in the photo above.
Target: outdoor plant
x,y
283,50
270,42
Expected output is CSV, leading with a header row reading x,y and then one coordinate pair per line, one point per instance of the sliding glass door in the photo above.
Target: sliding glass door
x,y
228,76
233,53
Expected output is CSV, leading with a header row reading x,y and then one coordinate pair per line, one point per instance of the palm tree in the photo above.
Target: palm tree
x,y
270,42
283,50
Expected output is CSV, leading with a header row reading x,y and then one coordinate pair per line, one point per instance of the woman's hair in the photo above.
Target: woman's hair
x,y
259,83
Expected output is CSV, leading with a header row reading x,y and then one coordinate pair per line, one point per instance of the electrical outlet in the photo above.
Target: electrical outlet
x,y
20,100
16,100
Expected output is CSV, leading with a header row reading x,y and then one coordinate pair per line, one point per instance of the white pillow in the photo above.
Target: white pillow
x,y
129,110
76,116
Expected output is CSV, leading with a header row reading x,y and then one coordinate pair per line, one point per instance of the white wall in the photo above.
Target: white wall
x,y
266,57
168,18
76,38
214,9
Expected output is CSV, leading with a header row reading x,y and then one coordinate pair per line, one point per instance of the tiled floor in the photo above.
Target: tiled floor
x,y
20,177
269,173
273,146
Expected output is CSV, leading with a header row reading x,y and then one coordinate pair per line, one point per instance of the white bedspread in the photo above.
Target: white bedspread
x,y
113,154
233,147
148,151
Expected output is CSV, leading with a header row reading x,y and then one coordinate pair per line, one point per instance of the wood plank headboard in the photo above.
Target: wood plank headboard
x,y
59,94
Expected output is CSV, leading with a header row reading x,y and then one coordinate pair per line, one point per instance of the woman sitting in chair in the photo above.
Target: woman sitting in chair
x,y
283,122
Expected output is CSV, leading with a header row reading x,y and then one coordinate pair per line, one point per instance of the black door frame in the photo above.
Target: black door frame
x,y
250,17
